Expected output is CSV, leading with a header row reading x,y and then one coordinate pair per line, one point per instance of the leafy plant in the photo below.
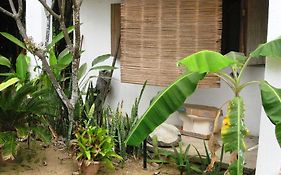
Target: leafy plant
x,y
233,130
182,159
20,75
120,125
22,113
83,74
159,156
73,44
94,144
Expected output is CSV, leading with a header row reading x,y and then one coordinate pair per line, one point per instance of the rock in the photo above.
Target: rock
x,y
167,135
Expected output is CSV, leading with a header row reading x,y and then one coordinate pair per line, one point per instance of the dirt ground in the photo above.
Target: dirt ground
x,y
39,161
51,161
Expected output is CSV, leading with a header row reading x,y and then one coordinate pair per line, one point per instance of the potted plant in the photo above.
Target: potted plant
x,y
94,146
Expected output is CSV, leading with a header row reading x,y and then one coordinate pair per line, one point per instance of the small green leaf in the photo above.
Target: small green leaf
x,y
63,53
59,37
42,134
91,111
81,71
103,68
5,61
270,49
13,39
100,59
21,67
7,74
88,155
53,59
22,132
238,57
8,83
206,61
66,60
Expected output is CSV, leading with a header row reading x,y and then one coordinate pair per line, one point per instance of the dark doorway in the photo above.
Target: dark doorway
x,y
231,26
244,26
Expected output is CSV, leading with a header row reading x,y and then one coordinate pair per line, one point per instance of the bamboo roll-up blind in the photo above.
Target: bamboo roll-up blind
x,y
157,33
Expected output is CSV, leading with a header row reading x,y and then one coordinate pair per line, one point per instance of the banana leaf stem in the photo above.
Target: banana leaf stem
x,y
226,78
243,69
247,84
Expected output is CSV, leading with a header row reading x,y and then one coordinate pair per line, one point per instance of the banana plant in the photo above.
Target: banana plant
x,y
233,130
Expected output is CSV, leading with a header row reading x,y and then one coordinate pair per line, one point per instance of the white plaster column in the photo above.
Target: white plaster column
x,y
269,153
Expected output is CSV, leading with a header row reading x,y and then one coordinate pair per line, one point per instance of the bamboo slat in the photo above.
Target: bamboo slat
x,y
157,33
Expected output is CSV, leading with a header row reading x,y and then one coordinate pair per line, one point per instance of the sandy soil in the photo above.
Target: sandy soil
x,y
39,161
51,161
134,167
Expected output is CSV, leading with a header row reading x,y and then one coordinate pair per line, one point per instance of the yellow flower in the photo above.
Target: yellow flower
x,y
225,125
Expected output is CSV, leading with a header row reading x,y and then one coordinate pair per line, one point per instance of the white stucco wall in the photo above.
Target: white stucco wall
x,y
269,153
96,29
35,28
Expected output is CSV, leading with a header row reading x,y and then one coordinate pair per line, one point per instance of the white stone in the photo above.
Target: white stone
x,y
167,135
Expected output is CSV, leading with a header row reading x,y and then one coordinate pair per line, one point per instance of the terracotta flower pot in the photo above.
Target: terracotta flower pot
x,y
90,168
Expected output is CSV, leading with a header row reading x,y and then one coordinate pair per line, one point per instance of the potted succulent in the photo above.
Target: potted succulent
x,y
94,146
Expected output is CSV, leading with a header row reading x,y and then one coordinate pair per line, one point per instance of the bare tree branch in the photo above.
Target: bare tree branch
x,y
63,26
6,12
16,16
49,9
20,8
53,79
76,52
77,26
12,5
80,3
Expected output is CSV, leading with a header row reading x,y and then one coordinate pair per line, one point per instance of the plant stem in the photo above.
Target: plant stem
x,y
243,69
247,84
226,78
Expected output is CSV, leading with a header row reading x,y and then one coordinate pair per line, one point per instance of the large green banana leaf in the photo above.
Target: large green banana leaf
x,y
206,61
233,132
271,101
270,49
165,104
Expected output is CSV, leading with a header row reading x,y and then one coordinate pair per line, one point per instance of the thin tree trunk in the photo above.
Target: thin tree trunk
x,y
73,46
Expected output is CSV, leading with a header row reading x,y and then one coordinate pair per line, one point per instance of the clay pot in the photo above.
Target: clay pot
x,y
90,168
